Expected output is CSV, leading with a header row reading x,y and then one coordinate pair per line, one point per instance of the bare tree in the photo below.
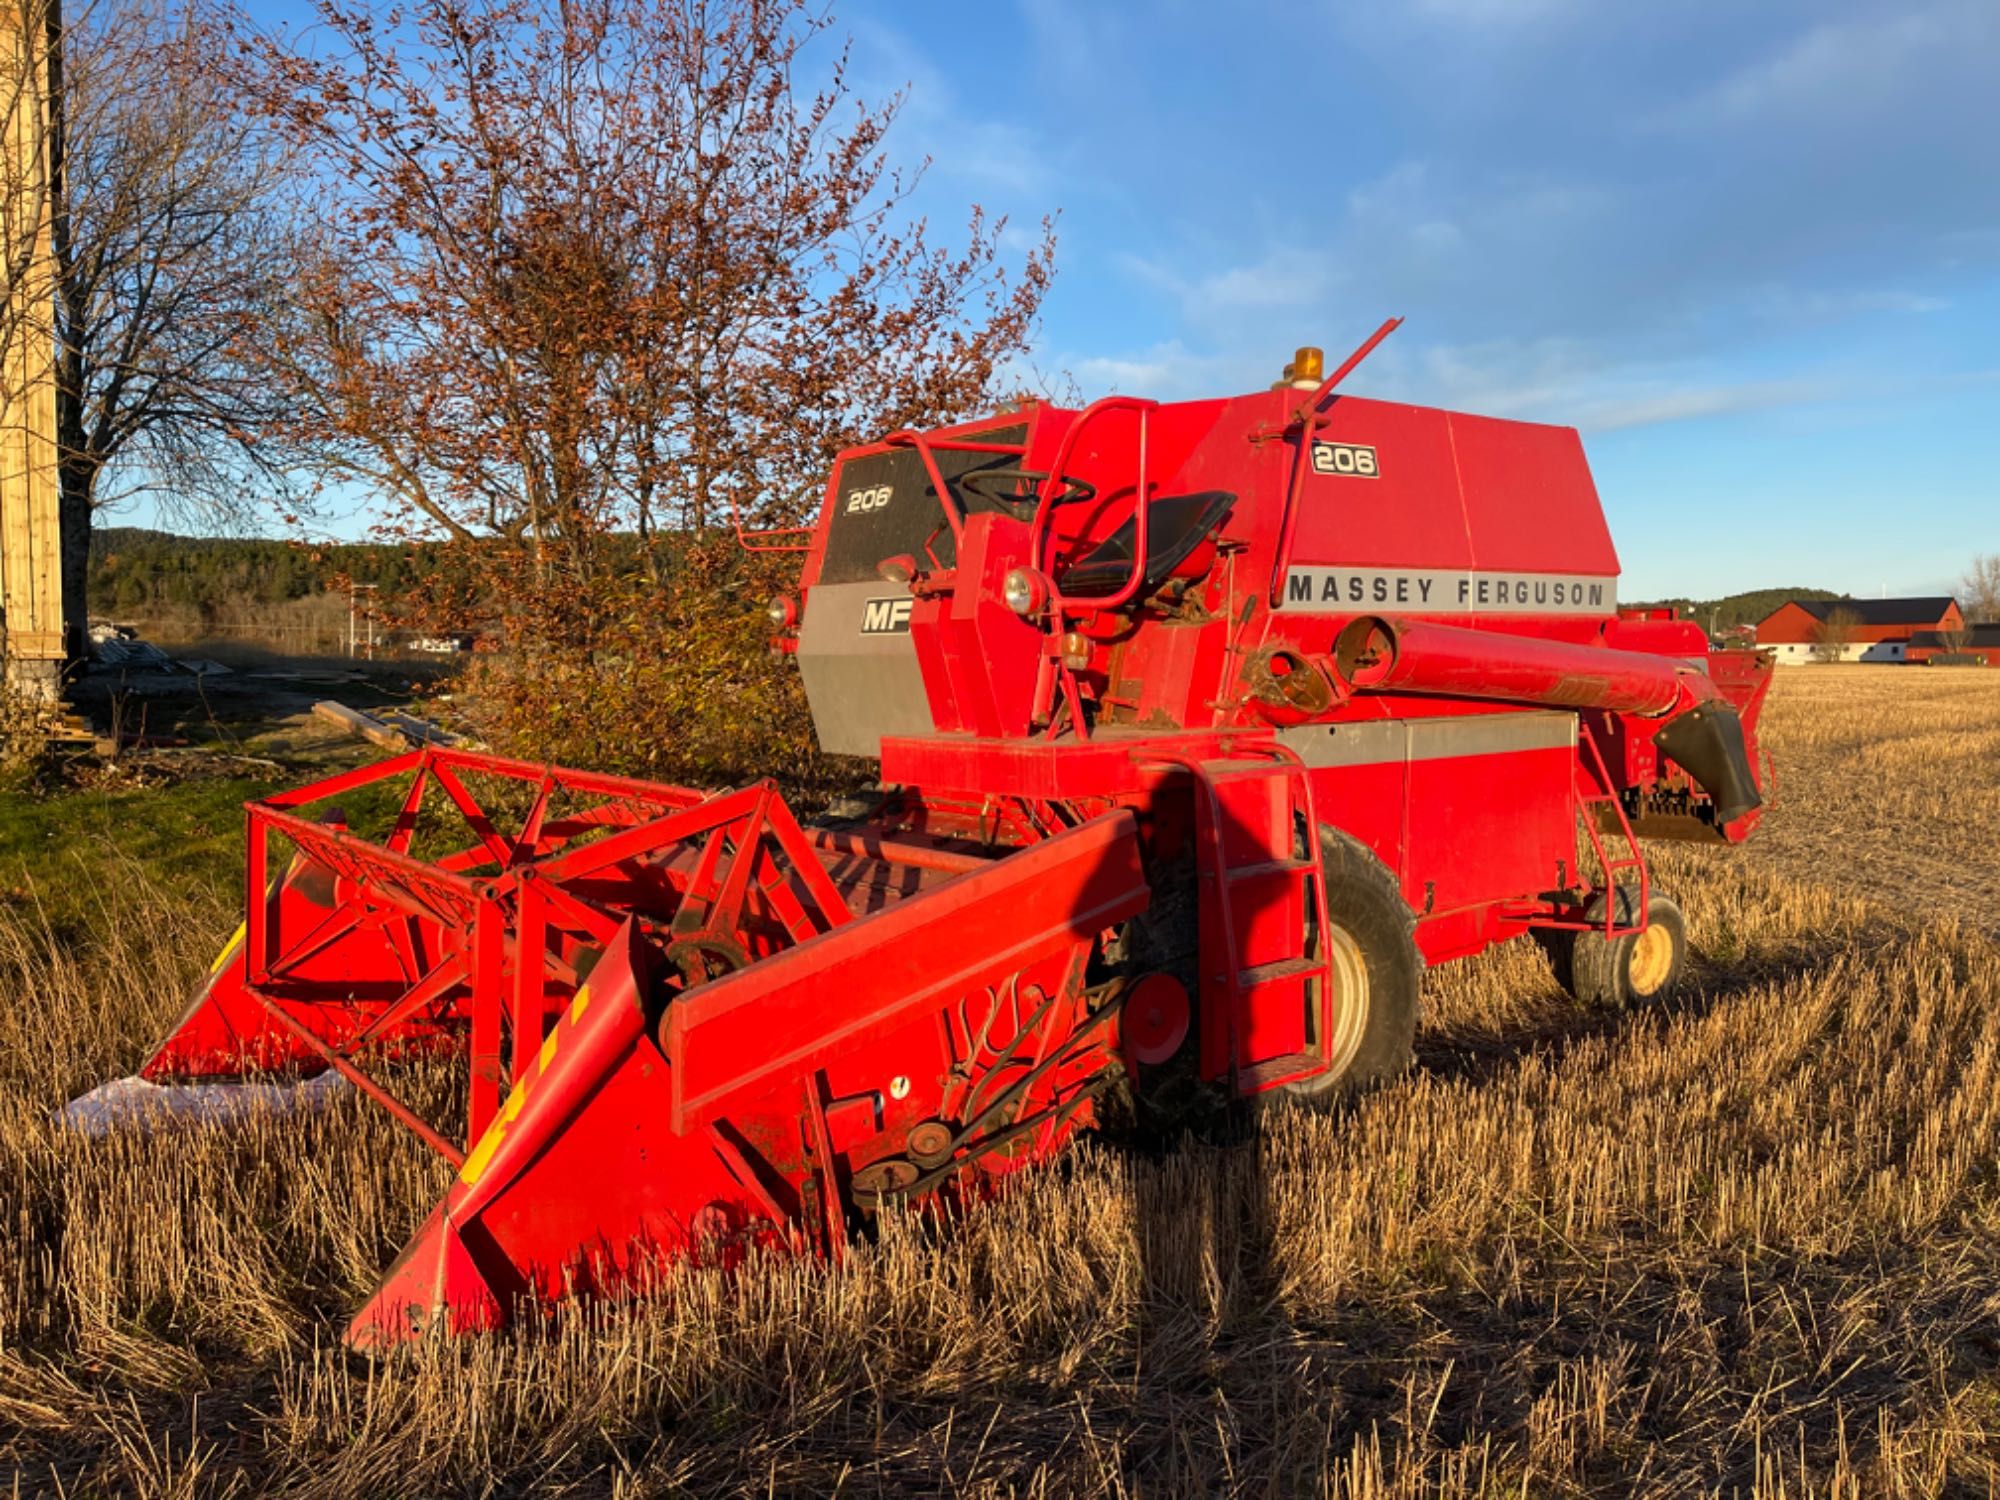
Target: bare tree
x,y
164,258
1979,590
1836,633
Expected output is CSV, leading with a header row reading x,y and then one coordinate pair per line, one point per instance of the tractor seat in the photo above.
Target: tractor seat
x,y
1176,525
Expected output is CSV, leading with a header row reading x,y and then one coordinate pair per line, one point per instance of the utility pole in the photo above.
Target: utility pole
x,y
357,613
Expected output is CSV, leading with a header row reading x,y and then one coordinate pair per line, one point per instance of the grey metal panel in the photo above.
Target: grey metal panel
x,y
1366,744
1376,741
860,687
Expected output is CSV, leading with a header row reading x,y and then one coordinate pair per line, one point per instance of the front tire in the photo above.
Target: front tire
x,y
1377,971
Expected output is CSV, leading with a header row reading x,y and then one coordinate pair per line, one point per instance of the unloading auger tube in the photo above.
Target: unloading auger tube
x,y
1201,729
1698,726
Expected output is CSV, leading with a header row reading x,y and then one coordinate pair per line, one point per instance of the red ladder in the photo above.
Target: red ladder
x,y
1257,894
1592,789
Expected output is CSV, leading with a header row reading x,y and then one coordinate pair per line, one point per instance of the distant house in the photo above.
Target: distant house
x,y
1869,629
1981,647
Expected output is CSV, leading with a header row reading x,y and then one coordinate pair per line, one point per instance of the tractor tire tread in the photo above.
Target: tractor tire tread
x,y
1601,967
1363,896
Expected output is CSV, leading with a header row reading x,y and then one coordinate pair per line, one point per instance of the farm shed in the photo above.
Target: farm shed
x,y
1979,647
1878,630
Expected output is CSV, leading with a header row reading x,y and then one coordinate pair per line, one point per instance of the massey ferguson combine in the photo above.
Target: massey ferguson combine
x,y
1203,727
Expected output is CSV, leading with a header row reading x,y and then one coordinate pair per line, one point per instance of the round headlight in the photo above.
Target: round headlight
x,y
784,612
1023,591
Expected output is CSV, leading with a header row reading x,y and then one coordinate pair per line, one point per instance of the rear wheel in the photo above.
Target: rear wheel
x,y
1624,971
1377,973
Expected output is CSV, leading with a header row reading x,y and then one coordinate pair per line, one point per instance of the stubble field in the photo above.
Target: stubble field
x,y
1747,1241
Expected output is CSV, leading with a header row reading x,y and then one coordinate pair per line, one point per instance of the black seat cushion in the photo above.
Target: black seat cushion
x,y
1176,525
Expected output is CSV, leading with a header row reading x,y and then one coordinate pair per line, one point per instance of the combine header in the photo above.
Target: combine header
x,y
1203,728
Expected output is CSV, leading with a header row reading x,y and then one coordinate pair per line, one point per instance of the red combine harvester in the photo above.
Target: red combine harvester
x,y
1203,728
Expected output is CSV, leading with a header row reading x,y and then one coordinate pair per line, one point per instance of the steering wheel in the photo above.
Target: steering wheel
x,y
988,484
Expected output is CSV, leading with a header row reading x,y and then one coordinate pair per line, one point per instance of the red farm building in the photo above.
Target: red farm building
x,y
1978,647
1884,630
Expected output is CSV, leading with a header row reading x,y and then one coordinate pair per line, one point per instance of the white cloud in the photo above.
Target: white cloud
x,y
1960,248
1588,386
1561,381
1578,384
1846,68
1641,408
1795,304
1288,277
1570,243
1071,42
1166,371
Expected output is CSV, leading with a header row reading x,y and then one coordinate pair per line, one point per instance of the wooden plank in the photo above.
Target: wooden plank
x,y
421,731
357,723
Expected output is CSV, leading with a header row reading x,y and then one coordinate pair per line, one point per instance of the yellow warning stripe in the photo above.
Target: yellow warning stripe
x,y
481,1155
228,949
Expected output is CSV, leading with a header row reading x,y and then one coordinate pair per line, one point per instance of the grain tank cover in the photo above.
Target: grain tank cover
x,y
1435,512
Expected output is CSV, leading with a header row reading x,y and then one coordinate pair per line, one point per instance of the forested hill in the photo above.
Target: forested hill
x,y
133,570
1737,609
136,571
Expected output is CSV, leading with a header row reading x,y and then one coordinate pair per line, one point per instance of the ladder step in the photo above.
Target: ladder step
x,y
1243,770
1276,1070
1284,968
1271,867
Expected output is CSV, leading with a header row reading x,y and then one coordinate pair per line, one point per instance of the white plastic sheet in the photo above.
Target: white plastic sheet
x,y
136,1104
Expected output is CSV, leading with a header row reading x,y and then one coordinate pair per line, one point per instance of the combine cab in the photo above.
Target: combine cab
x,y
1203,728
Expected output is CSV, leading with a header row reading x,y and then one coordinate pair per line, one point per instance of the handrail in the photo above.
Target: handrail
x,y
909,437
1054,670
745,538
1309,419
906,438
1053,486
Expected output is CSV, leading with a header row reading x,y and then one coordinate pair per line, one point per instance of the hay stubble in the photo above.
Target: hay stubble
x,y
1745,1241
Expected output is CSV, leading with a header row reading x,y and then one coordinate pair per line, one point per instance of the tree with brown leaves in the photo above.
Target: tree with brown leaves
x,y
591,279
609,267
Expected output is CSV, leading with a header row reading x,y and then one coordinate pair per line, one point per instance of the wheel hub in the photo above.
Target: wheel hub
x,y
1652,959
1155,1019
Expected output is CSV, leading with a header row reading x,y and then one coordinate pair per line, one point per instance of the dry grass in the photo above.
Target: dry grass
x,y
1891,785
1749,1243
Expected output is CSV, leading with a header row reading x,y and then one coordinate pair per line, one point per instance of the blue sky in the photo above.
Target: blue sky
x,y
1752,251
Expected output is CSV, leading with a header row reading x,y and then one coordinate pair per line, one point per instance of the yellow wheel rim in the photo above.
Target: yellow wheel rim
x,y
1652,959
1350,998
